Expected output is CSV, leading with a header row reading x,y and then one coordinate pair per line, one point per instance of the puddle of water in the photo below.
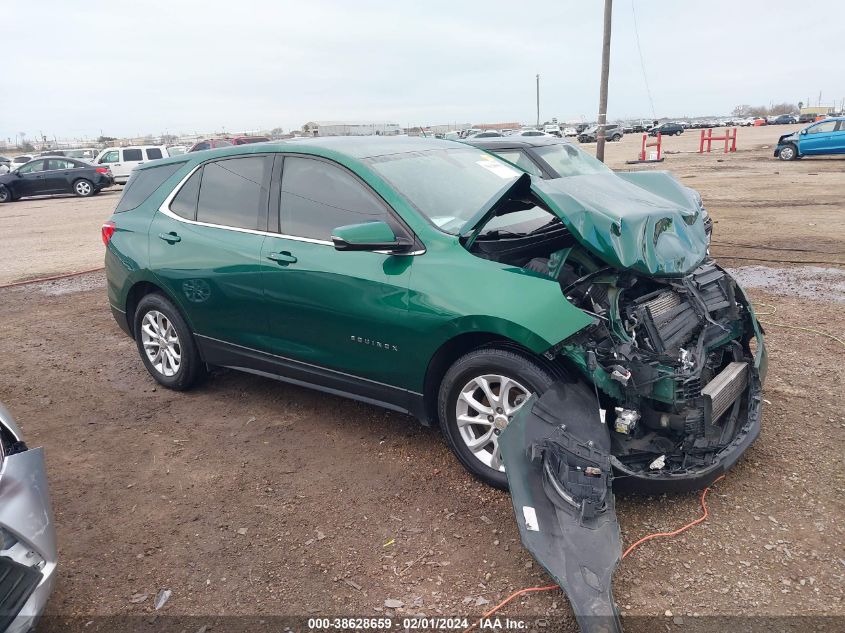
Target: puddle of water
x,y
808,282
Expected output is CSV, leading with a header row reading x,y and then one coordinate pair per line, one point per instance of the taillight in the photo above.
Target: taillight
x,y
103,170
107,231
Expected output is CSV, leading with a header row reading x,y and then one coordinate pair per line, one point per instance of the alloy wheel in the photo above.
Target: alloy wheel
x,y
83,188
161,343
485,406
787,153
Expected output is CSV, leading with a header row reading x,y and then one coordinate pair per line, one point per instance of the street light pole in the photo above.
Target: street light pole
x,y
538,101
605,72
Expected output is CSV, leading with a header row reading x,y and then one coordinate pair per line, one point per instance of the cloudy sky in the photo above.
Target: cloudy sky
x,y
76,67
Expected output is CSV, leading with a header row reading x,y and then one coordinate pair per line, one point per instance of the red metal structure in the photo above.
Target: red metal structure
x,y
642,158
729,138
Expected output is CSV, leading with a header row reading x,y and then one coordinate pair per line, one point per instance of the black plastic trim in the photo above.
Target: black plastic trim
x,y
17,582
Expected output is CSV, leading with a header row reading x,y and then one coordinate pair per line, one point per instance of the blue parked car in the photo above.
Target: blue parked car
x,y
824,137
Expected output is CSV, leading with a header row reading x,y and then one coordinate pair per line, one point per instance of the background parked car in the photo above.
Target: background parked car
x,y
5,164
487,134
18,161
824,137
667,129
28,553
612,132
88,154
246,140
553,128
210,143
529,132
570,131
784,119
176,150
56,174
122,160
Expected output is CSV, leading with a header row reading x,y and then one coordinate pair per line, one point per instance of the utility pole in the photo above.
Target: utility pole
x,y
538,101
605,72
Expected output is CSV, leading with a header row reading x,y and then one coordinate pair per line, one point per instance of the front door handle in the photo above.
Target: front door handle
x,y
170,238
282,258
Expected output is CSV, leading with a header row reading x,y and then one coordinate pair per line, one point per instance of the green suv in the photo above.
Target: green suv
x,y
436,279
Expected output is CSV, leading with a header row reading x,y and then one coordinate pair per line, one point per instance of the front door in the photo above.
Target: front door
x,y
33,178
111,159
345,312
205,247
819,138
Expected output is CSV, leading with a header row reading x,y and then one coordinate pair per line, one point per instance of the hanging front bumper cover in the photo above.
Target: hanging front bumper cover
x,y
557,458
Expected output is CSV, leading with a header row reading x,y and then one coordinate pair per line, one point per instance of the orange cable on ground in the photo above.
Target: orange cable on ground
x,y
52,278
631,548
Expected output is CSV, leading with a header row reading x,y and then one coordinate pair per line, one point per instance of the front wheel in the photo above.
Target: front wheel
x,y
166,343
5,194
478,397
616,137
788,152
83,188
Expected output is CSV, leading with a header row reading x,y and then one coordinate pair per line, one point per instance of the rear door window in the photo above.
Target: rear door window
x,y
317,197
142,183
234,192
58,163
153,153
132,155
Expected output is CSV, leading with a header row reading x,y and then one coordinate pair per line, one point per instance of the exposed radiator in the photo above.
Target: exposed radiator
x,y
725,388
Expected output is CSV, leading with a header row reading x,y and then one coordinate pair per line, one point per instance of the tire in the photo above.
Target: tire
x,y
5,194
788,152
83,188
526,374
616,137
156,320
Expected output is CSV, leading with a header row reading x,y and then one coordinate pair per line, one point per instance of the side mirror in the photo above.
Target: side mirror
x,y
369,236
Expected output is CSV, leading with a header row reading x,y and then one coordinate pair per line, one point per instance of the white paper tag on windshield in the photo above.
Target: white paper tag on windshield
x,y
502,171
530,516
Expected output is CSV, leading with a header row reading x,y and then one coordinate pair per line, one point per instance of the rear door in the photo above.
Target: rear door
x,y
819,139
344,312
61,172
839,138
205,245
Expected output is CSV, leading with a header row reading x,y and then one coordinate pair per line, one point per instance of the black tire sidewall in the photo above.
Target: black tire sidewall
x,y
522,367
9,197
77,181
191,364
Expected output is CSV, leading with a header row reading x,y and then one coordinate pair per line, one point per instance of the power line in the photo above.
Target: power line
x,y
642,63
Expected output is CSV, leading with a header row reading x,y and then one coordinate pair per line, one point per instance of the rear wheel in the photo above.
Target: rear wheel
x,y
616,137
478,397
166,343
788,152
83,188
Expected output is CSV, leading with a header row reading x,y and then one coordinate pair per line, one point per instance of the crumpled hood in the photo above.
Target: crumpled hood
x,y
792,136
645,221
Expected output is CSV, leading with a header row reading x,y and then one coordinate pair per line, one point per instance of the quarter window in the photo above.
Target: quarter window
x,y
233,192
132,155
318,197
153,153
142,183
185,202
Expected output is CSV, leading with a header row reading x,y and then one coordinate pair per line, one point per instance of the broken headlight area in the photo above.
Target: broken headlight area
x,y
674,371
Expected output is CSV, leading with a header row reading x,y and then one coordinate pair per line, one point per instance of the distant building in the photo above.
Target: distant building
x,y
351,128
818,110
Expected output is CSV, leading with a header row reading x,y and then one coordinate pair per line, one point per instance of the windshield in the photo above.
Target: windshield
x,y
448,186
568,160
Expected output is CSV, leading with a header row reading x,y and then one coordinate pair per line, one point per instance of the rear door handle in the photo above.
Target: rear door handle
x,y
170,238
282,258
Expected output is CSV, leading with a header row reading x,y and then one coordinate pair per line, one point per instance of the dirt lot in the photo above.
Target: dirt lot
x,y
251,497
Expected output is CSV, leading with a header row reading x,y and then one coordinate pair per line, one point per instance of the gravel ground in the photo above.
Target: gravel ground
x,y
251,497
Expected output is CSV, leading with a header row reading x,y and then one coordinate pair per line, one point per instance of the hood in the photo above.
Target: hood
x,y
645,221
788,137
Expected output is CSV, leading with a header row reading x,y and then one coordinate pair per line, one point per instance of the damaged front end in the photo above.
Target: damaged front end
x,y
663,389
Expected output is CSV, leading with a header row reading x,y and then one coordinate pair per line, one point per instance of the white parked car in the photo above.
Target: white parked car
x,y
570,131
552,128
122,160
18,161
452,136
529,132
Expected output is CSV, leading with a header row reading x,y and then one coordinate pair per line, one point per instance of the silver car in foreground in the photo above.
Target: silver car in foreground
x,y
27,533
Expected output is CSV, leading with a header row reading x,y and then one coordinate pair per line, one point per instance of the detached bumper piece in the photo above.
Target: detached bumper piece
x,y
557,457
17,582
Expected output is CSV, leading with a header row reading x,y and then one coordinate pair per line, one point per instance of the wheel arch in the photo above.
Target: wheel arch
x,y
138,291
451,350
